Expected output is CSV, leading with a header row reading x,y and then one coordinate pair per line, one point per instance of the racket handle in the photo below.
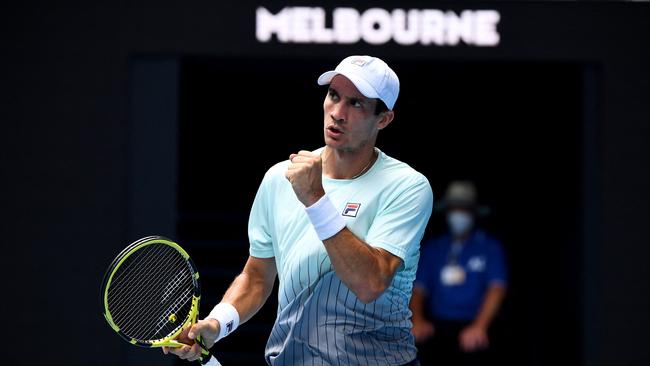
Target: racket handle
x,y
207,358
212,361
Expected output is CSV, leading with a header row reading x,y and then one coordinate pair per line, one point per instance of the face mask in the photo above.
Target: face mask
x,y
459,222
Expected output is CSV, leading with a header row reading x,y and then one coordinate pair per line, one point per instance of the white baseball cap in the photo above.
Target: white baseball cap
x,y
370,75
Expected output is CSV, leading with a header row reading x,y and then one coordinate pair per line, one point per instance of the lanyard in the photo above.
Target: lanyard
x,y
454,253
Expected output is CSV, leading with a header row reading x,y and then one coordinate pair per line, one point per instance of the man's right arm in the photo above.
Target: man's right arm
x,y
248,292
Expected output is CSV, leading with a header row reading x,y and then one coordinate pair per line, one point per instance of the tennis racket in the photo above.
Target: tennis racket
x,y
151,292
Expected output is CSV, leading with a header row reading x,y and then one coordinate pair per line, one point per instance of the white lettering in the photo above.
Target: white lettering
x,y
320,34
376,26
486,27
346,25
406,28
379,26
433,30
300,26
269,24
458,28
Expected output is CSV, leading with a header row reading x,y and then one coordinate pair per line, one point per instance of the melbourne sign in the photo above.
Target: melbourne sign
x,y
378,26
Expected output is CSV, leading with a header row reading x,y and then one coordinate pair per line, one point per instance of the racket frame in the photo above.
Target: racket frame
x,y
167,341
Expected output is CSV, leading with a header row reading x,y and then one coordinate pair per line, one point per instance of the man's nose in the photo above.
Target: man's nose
x,y
338,112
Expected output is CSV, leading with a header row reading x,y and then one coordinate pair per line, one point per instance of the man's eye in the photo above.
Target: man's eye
x,y
356,104
333,95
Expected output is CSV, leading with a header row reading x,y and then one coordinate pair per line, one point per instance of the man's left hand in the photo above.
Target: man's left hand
x,y
473,338
305,174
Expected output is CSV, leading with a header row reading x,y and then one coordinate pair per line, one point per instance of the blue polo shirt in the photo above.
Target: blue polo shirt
x,y
483,262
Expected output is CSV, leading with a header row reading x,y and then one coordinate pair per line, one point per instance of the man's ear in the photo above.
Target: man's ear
x,y
386,119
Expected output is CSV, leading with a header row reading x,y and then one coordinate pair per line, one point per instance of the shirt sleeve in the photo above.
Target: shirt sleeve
x,y
260,221
496,265
400,225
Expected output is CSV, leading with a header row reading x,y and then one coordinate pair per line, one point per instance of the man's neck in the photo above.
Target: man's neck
x,y
347,165
462,238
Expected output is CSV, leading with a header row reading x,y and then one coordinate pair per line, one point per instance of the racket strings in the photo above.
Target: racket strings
x,y
144,275
144,308
132,268
174,308
125,291
141,283
151,293
126,269
155,312
126,295
176,296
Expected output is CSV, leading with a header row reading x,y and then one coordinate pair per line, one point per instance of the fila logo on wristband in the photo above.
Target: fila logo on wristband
x,y
351,209
227,316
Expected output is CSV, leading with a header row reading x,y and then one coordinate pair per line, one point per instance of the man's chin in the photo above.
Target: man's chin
x,y
333,143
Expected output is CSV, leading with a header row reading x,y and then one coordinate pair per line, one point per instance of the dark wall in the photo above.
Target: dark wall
x,y
66,153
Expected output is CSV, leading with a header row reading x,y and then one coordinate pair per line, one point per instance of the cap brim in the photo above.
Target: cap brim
x,y
363,86
326,77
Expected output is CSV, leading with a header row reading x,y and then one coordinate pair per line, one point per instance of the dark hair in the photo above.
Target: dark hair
x,y
380,107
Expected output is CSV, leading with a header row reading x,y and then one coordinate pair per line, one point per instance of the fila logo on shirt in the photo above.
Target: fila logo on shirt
x,y
351,209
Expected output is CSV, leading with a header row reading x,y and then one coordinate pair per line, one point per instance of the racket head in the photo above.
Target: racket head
x,y
151,292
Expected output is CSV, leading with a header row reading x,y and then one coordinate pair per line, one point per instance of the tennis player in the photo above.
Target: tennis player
x,y
341,228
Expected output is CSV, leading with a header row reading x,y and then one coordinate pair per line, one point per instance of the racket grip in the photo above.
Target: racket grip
x,y
212,361
207,358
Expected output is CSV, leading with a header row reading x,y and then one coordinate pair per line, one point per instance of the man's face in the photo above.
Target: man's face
x,y
350,120
460,220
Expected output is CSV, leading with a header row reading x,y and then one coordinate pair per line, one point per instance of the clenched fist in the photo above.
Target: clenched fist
x,y
305,174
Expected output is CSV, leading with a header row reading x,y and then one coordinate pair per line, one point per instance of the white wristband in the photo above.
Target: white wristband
x,y
325,218
227,316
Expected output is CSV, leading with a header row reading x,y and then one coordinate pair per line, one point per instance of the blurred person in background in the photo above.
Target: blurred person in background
x,y
460,285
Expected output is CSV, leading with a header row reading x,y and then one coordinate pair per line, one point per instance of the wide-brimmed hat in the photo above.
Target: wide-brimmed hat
x,y
462,194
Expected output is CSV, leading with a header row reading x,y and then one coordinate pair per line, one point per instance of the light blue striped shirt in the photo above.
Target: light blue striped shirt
x,y
319,320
